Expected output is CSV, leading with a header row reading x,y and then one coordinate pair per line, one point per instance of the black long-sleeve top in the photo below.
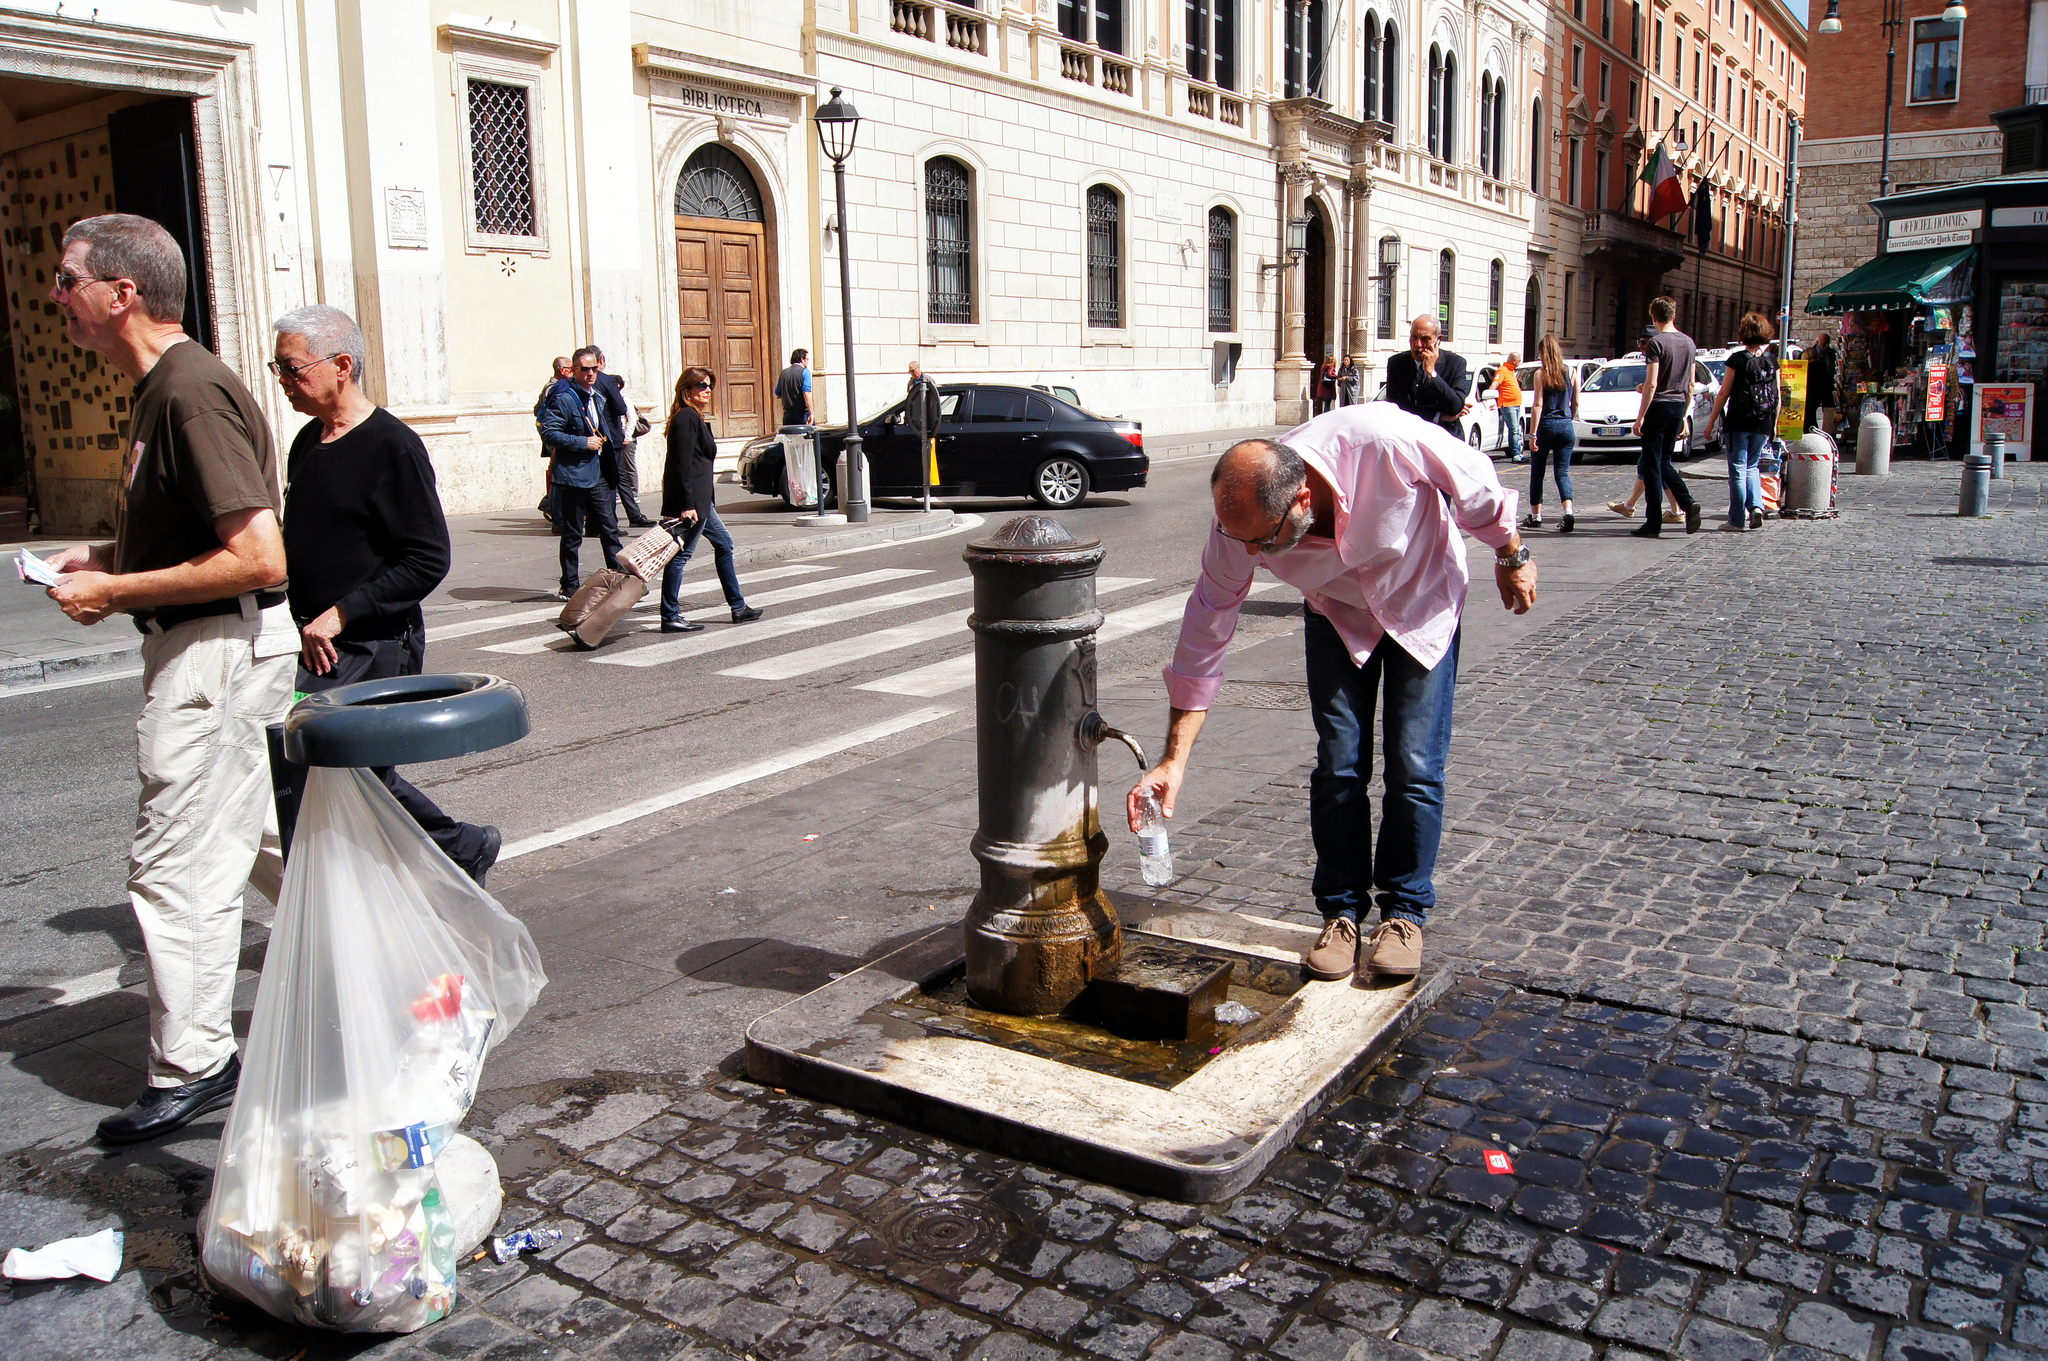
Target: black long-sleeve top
x,y
363,528
1438,399
687,480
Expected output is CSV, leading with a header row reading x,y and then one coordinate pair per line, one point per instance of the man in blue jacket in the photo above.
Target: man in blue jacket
x,y
572,427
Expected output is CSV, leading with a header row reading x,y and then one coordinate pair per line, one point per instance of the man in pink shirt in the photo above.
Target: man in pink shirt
x,y
1360,510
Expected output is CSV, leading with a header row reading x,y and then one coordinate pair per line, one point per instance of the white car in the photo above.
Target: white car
x,y
1610,400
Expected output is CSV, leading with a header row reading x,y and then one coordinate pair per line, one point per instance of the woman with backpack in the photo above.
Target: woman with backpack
x,y
1749,391
1557,406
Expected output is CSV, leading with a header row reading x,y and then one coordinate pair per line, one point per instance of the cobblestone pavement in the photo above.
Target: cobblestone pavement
x,y
1741,871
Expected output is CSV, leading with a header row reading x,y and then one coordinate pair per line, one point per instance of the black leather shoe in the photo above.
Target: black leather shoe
x,y
745,614
480,865
641,524
680,626
164,1109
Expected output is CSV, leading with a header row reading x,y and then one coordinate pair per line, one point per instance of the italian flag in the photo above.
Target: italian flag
x,y
1667,195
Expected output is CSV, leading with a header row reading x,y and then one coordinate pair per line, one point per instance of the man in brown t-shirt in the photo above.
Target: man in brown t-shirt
x,y
198,563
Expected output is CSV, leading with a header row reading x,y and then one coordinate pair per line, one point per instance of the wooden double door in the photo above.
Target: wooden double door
x,y
724,300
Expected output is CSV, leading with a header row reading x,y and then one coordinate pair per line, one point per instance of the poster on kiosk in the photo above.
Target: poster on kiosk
x,y
2007,409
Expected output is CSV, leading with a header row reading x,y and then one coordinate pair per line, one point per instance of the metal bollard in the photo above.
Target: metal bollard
x,y
1041,928
1975,500
1995,446
1874,446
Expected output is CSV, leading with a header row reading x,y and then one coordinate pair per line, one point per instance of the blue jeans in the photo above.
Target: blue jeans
x,y
1511,425
1745,483
707,526
1555,442
1416,726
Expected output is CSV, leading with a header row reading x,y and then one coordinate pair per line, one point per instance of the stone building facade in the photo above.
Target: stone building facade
x,y
1942,131
1179,210
1719,82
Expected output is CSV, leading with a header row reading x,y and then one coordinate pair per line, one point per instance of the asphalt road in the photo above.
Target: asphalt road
x,y
679,730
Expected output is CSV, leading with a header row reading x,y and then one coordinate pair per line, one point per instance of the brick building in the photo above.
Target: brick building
x,y
1718,82
1950,79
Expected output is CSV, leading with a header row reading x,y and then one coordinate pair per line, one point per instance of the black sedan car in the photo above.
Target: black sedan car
x,y
993,440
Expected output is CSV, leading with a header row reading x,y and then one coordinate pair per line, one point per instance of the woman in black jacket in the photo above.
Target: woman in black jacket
x,y
688,493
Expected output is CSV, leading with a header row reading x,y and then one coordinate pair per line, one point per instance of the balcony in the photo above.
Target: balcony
x,y
960,27
1632,242
1080,64
1211,101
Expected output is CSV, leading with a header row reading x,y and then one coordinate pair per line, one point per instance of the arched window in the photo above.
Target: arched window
x,y
1532,318
1450,138
1486,122
1436,101
1222,270
1496,298
1446,286
716,183
1304,42
1105,256
1539,170
1390,75
1390,266
949,241
1500,128
1369,107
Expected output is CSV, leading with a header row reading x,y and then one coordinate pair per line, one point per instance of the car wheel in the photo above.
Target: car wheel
x,y
1472,437
1059,483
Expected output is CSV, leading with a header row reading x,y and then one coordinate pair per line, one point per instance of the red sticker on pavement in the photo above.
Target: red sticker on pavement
x,y
1498,1164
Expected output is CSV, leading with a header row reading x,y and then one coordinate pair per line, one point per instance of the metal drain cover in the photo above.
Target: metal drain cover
x,y
946,1231
1264,694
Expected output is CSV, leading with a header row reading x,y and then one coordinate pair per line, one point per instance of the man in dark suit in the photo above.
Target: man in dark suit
x,y
620,459
1429,380
572,426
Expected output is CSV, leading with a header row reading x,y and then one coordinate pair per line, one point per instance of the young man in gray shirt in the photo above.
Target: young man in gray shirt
x,y
1668,355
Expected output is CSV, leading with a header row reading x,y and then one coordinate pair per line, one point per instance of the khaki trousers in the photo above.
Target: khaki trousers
x,y
209,687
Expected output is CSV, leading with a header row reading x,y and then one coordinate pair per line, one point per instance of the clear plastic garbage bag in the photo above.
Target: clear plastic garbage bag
x,y
390,977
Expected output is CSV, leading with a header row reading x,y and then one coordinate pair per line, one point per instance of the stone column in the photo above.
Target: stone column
x,y
1359,190
1291,374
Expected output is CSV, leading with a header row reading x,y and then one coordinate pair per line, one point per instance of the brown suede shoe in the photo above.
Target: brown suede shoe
x,y
1395,948
1335,954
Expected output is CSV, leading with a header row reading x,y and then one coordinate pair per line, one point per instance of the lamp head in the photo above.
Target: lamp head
x,y
1955,13
1297,237
837,122
1832,23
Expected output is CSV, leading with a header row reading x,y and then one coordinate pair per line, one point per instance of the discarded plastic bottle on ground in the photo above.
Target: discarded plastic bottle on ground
x,y
1155,857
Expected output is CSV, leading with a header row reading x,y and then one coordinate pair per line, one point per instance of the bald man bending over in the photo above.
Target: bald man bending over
x,y
1359,509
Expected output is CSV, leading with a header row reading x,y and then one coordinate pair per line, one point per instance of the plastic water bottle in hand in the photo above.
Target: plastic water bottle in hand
x,y
1155,857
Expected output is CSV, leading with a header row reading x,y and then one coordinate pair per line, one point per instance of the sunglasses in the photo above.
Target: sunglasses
x,y
295,372
698,387
69,283
1267,541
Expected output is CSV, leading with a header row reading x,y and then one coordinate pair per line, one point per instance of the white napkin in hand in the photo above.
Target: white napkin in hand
x,y
96,1255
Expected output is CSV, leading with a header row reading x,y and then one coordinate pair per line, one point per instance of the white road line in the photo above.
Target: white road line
x,y
442,634
955,673
654,654
803,661
70,682
746,774
558,641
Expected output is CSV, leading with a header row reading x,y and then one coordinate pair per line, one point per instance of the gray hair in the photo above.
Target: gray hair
x,y
1435,327
124,246
1273,477
326,331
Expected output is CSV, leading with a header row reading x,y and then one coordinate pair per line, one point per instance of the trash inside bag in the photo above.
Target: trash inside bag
x,y
390,976
97,1255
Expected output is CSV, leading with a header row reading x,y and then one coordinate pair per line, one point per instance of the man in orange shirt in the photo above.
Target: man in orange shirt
x,y
1510,389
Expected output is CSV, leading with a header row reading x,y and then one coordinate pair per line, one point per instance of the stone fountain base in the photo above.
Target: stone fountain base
x,y
1192,1121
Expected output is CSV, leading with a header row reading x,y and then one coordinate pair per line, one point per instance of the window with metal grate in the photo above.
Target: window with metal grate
x,y
1222,270
949,253
501,159
1105,248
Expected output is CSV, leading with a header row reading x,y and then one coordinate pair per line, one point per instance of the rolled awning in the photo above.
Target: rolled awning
x,y
1902,279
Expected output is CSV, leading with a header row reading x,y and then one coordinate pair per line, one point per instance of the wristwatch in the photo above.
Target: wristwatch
x,y
1514,559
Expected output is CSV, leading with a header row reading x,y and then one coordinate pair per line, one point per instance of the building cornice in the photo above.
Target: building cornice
x,y
1923,145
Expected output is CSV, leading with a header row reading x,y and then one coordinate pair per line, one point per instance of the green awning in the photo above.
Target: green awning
x,y
1902,279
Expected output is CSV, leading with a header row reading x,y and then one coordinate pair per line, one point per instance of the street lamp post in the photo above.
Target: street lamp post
x,y
1893,17
837,124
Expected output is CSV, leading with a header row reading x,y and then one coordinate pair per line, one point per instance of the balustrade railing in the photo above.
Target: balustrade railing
x,y
962,27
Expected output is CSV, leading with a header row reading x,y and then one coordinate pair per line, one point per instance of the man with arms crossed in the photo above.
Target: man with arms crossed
x,y
198,562
1361,510
364,530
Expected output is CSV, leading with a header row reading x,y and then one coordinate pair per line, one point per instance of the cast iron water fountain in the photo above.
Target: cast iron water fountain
x,y
1042,1026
